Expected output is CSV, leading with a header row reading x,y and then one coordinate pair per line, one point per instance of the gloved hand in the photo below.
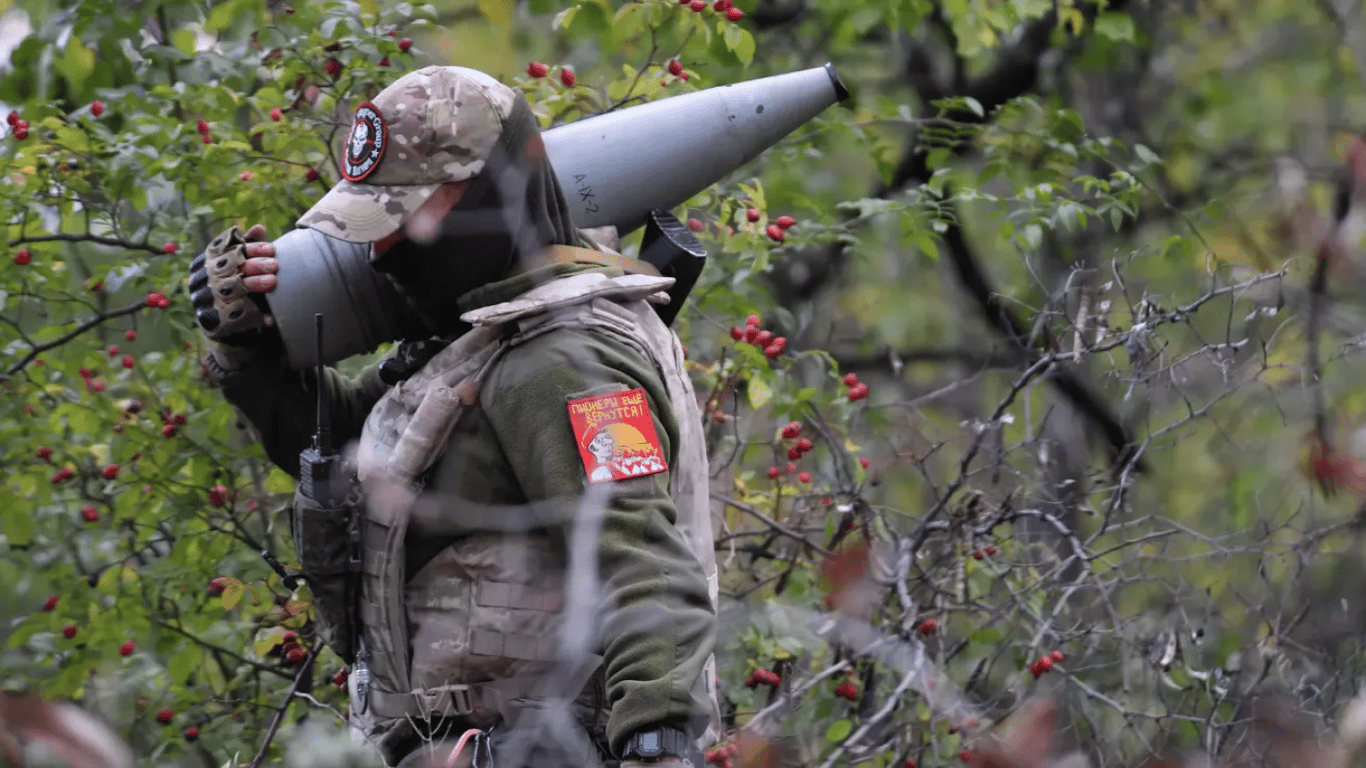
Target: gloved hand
x,y
227,283
664,762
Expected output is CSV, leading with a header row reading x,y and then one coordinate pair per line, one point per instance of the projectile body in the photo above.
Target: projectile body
x,y
614,168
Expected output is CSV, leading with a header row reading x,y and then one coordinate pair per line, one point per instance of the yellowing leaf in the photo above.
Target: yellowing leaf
x,y
498,11
232,594
759,393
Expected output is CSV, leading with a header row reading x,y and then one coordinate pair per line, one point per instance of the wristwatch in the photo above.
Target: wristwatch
x,y
659,743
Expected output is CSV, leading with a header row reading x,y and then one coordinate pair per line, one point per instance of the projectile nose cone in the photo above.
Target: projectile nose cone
x,y
841,91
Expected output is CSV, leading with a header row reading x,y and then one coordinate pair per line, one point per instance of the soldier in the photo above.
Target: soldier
x,y
478,465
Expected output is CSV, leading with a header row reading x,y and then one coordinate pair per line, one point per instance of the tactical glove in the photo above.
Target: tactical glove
x,y
234,322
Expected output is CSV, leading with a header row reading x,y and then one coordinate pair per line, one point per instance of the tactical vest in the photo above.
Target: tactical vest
x,y
500,623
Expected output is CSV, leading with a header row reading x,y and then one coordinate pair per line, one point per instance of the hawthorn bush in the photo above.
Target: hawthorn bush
x,y
1003,390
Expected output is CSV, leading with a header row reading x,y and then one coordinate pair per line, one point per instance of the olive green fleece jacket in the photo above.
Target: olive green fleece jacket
x,y
517,447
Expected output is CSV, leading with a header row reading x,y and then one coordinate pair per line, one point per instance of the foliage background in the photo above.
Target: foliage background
x,y
1105,174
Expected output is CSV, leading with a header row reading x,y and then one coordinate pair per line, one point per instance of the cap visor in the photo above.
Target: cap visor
x,y
364,213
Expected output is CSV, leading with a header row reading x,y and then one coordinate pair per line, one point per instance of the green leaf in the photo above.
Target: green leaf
x,y
497,11
77,62
975,106
564,18
18,524
232,594
184,39
1115,26
182,664
759,393
1148,156
839,731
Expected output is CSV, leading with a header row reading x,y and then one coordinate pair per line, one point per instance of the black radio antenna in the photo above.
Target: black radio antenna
x,y
322,439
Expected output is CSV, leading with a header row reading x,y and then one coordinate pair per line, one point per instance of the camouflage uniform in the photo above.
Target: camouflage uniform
x,y
513,449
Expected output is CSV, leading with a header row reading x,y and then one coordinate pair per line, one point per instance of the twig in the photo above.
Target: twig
x,y
305,670
68,336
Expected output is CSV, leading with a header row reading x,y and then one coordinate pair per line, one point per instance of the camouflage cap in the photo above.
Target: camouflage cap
x,y
431,126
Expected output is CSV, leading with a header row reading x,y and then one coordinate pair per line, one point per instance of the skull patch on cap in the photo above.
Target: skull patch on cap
x,y
365,146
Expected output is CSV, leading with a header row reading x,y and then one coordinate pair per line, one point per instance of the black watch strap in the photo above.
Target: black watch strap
x,y
659,743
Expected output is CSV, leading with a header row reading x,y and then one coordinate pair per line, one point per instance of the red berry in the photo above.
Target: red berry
x,y
790,468
156,298
752,214
773,350
805,477
794,453
785,221
695,225
45,453
769,677
51,603
291,636
12,118
113,350
69,631
129,361
96,286
928,626
908,763
218,495
94,385
97,108
774,233
21,125
168,431
863,461
130,336
170,248
965,756
780,342
384,62
296,654
110,472
977,555
90,514
208,138
23,257
165,715
203,127
311,174
333,67
178,419
1056,656
405,44
277,115
537,69
736,333
848,690
751,333
850,379
675,67
792,429
697,6
340,677
216,586
990,550
567,76
721,5
191,733
753,320
21,133
804,445
762,338
62,475
1046,664
127,648
735,14
858,392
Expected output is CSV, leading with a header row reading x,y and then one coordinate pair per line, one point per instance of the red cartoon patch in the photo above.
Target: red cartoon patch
x,y
616,436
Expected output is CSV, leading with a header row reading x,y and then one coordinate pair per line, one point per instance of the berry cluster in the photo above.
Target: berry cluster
x,y
45,453
538,70
675,68
720,6
158,300
92,384
216,586
754,334
218,495
857,389
1045,664
203,127
62,475
928,626
165,715
778,227
721,756
984,552
847,690
763,677
291,650
340,679
90,514
18,126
